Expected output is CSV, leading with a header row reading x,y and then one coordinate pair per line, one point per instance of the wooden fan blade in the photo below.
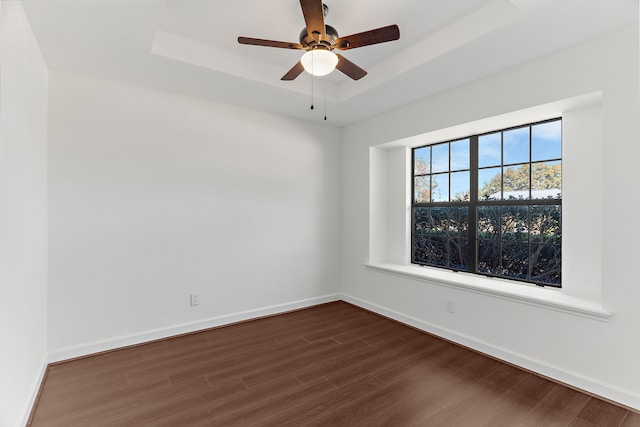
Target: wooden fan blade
x,y
269,43
313,12
379,35
294,72
349,68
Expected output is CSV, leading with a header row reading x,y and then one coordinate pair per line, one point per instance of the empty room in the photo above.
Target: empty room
x,y
349,213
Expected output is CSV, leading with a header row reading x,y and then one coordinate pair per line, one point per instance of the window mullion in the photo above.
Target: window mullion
x,y
473,201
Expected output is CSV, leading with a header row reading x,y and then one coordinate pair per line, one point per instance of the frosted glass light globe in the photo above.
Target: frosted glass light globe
x,y
319,62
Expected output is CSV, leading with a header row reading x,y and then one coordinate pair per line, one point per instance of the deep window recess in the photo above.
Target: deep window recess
x,y
491,204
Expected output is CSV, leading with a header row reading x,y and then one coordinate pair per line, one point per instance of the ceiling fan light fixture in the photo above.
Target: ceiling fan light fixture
x,y
319,62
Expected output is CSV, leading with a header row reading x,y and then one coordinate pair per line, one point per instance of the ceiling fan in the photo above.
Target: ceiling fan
x,y
319,40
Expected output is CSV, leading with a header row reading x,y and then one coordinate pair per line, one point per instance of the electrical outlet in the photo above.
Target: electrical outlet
x,y
195,298
451,306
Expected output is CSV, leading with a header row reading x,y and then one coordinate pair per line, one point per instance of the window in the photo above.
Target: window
x,y
491,204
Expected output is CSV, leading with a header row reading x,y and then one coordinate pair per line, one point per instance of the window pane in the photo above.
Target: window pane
x,y
460,186
421,189
546,141
516,183
490,184
546,264
459,221
516,146
488,222
420,249
437,251
460,155
439,158
488,257
545,224
422,161
490,150
439,221
459,254
421,217
546,180
515,223
515,260
440,187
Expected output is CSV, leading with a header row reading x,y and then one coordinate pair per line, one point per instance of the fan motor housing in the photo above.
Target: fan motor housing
x,y
331,35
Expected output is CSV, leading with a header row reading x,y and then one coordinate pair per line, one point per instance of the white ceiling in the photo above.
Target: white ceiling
x,y
190,46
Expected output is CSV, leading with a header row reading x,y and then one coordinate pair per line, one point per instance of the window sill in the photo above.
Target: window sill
x,y
549,298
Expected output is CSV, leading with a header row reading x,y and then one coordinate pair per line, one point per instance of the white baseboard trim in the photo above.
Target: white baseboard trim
x,y
62,354
572,379
35,389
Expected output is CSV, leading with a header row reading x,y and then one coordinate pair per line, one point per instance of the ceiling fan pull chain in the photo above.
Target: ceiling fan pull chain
x,y
325,103
312,80
312,92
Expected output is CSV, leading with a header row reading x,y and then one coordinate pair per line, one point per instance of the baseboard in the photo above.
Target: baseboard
x,y
62,354
35,391
572,379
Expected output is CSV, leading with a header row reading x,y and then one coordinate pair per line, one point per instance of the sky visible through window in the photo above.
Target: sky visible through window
x,y
449,163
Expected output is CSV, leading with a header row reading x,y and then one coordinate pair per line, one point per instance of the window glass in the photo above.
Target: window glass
x,y
490,150
515,182
422,161
459,221
516,146
440,187
513,192
460,155
459,254
488,257
490,184
440,158
422,189
514,223
545,224
546,141
489,222
515,260
546,180
460,186
546,264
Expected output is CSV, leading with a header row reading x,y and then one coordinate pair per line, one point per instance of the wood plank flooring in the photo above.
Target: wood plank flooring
x,y
329,365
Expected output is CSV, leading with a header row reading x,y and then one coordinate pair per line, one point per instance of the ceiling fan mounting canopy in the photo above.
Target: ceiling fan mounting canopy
x,y
317,35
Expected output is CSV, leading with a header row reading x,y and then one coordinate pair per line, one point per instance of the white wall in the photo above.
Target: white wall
x,y
154,196
600,356
23,214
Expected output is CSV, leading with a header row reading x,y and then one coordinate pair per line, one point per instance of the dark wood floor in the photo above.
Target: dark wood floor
x,y
330,365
